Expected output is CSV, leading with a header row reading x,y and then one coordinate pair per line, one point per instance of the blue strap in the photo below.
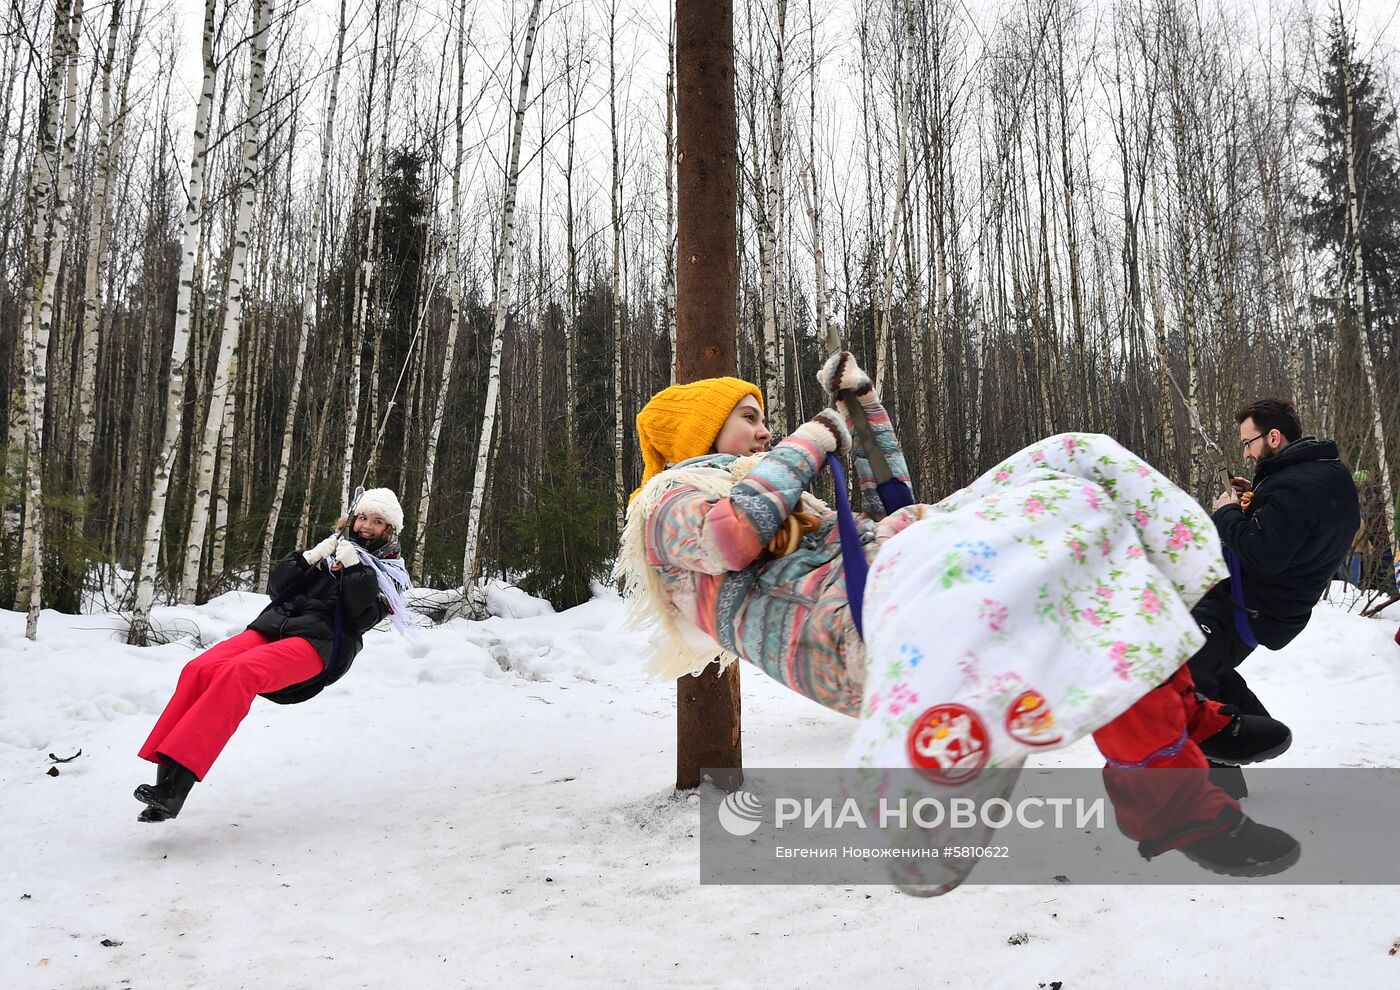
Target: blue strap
x,y
894,495
1242,627
852,551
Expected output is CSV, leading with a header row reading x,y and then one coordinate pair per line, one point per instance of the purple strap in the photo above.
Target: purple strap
x,y
852,552
1242,627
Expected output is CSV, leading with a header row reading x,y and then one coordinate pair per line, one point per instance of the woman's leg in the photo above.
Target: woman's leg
x,y
199,736
1161,731
194,679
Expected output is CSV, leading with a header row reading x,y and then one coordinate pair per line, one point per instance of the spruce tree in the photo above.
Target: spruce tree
x,y
1327,218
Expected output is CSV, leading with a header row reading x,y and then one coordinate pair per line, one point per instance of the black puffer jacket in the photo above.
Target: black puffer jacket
x,y
332,611
1298,528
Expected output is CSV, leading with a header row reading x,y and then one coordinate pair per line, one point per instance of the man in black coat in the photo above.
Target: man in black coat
x,y
1284,533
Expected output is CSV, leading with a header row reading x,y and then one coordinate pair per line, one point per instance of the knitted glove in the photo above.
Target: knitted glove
x,y
842,373
347,554
827,430
320,551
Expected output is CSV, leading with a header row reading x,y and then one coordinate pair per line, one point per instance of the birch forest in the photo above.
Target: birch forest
x,y
256,253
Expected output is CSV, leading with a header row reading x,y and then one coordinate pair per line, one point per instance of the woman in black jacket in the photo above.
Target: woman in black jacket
x,y
323,601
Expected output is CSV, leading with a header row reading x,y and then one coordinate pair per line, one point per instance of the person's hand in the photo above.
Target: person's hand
x,y
841,373
347,554
321,550
827,430
1241,485
1228,497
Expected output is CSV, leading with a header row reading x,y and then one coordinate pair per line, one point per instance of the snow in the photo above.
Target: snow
x,y
498,812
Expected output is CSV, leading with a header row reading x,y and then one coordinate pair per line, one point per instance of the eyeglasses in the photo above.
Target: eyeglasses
x,y
1244,444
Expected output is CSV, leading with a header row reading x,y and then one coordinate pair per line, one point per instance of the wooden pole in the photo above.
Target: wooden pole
x,y
707,316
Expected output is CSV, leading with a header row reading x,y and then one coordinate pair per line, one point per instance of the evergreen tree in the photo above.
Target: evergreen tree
x,y
1327,215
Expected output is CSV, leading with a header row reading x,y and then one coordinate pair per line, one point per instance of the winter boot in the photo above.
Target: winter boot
x,y
1247,739
166,797
1229,778
1245,848
151,814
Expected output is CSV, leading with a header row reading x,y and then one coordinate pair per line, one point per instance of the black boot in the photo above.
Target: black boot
x,y
1245,848
166,797
1247,739
1230,779
151,814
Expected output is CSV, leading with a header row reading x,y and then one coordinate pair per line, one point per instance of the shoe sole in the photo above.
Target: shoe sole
x,y
1270,868
1259,757
145,793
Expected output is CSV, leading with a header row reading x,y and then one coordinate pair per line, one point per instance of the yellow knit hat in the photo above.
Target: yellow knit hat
x,y
684,421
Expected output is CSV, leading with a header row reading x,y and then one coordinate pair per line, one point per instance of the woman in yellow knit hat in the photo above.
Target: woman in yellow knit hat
x,y
1040,603
699,441
686,421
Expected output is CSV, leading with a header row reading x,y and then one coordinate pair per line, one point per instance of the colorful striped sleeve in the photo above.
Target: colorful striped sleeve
x,y
713,536
883,429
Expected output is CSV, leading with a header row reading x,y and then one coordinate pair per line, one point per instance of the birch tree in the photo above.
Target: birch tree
x,y
140,630
310,278
109,143
32,358
454,320
615,192
42,324
233,303
366,275
501,309
884,353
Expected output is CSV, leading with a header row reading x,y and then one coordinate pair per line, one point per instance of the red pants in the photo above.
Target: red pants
x,y
217,688
1161,731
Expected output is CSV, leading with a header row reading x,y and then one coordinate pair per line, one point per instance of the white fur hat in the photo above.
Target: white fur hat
x,y
381,501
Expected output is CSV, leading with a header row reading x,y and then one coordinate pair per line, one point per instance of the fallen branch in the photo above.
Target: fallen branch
x,y
1376,610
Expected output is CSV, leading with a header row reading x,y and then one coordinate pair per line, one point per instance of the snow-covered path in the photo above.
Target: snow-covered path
x,y
498,813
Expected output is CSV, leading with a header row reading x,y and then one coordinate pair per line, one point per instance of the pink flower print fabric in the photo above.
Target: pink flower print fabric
x,y
1051,593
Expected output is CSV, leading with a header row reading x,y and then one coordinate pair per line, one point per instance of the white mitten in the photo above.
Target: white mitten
x,y
347,554
841,373
827,430
321,550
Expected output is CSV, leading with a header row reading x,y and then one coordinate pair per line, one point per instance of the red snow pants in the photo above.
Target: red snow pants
x,y
217,688
1161,731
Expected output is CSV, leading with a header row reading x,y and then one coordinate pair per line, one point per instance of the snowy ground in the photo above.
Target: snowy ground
x,y
498,812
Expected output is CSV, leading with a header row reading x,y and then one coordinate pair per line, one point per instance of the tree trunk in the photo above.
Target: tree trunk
x,y
38,343
707,724
504,276
108,148
175,387
1358,281
224,479
366,276
425,492
619,455
309,286
766,198
884,349
233,305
